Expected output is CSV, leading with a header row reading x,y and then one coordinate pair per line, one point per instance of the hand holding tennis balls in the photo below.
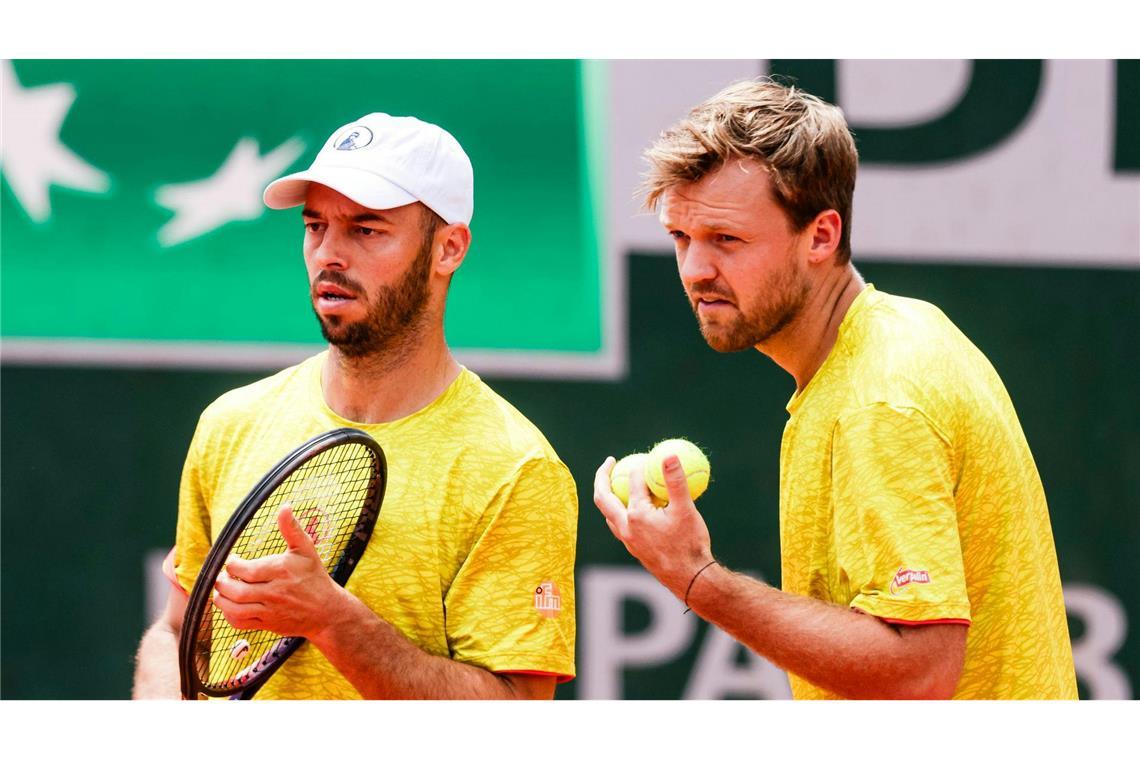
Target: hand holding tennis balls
x,y
693,462
672,544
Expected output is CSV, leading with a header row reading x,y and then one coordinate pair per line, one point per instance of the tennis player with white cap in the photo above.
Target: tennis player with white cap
x,y
466,589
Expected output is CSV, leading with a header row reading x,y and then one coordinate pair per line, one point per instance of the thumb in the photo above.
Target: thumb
x,y
295,536
675,481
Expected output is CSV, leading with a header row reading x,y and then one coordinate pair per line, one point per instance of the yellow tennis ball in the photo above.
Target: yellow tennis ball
x,y
693,460
619,477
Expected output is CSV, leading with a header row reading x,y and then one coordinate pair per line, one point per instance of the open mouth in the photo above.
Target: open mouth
x,y
330,299
334,293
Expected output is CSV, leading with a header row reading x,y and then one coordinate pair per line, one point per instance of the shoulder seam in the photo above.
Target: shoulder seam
x,y
942,435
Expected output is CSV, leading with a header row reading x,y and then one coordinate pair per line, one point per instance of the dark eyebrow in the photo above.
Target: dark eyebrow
x,y
371,217
309,213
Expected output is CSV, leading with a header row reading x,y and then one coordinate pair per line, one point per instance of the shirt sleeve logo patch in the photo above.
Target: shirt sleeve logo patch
x,y
548,599
904,577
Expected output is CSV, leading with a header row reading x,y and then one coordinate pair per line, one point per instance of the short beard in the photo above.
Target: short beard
x,y
396,313
789,289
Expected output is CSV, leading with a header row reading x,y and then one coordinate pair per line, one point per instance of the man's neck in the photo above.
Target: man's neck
x,y
383,388
802,347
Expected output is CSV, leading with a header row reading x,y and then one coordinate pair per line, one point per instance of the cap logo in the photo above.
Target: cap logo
x,y
354,137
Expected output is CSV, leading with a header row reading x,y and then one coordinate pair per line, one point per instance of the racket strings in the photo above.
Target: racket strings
x,y
327,495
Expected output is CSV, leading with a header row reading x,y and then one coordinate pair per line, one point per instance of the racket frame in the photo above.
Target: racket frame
x,y
201,596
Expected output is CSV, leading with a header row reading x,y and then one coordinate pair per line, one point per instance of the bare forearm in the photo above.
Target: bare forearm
x,y
156,666
381,664
836,648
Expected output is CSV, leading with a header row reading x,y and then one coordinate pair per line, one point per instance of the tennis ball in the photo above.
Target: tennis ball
x,y
619,477
693,460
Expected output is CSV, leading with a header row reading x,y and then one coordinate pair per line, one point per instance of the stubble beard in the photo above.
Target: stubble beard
x,y
395,317
788,291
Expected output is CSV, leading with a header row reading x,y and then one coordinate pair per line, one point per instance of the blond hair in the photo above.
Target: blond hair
x,y
802,141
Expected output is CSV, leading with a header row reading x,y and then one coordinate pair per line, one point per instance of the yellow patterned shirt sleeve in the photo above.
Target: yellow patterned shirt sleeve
x,y
897,542
505,606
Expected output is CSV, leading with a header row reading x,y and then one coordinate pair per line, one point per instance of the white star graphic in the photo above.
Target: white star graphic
x,y
231,194
31,154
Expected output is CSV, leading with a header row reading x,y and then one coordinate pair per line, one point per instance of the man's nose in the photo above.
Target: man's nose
x,y
329,254
696,264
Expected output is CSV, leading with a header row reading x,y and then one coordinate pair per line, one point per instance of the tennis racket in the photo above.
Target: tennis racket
x,y
335,486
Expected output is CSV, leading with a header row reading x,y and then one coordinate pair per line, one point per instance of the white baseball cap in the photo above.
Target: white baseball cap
x,y
383,162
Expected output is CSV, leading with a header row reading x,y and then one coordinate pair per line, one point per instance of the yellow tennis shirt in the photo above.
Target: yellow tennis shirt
x,y
908,491
472,557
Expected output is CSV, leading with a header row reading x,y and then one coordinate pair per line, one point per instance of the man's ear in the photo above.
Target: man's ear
x,y
824,233
455,240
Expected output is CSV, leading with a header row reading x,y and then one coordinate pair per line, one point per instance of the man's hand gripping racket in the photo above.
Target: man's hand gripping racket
x,y
305,524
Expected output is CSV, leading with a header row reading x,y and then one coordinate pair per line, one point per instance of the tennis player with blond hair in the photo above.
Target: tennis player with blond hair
x,y
917,559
